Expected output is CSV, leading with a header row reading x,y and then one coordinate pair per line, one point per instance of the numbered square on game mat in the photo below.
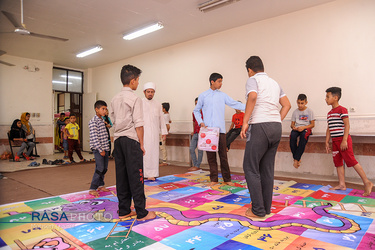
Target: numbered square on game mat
x,y
194,239
158,229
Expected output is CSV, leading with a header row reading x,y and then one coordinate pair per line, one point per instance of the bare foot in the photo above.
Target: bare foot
x,y
212,183
151,178
250,213
151,215
132,213
94,193
103,189
295,164
193,168
299,163
338,187
368,188
229,183
163,164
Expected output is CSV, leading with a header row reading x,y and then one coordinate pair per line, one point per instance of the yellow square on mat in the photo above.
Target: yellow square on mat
x,y
266,239
61,238
27,231
296,192
215,207
16,207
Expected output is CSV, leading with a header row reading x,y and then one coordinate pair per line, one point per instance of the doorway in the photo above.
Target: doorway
x,y
68,89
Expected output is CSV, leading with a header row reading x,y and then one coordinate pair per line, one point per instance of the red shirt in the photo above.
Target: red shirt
x,y
335,119
237,119
197,127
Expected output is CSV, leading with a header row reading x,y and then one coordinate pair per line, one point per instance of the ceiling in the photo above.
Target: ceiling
x,y
87,23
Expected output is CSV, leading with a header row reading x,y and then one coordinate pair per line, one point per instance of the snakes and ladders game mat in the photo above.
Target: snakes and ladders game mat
x,y
192,215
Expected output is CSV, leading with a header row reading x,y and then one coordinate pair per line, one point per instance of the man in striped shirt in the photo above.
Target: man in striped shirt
x,y
100,146
342,149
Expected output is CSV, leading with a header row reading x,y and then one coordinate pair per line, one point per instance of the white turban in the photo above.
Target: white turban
x,y
149,85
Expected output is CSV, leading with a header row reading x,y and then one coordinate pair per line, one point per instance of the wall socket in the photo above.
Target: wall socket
x,y
352,109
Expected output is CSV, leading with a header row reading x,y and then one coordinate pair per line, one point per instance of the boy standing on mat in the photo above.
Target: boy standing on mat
x,y
262,129
127,114
342,149
212,103
100,146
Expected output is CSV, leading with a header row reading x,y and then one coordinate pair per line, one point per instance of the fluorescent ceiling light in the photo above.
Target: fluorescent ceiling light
x,y
213,4
144,31
90,51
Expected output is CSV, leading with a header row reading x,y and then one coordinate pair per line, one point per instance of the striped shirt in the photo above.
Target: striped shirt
x,y
98,135
335,121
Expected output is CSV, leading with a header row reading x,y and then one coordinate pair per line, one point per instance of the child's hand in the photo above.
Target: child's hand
x,y
244,130
300,129
102,153
327,147
344,145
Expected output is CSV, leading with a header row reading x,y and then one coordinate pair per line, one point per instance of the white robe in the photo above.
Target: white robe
x,y
154,124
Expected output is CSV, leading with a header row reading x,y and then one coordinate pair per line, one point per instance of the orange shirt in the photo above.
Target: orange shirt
x,y
237,119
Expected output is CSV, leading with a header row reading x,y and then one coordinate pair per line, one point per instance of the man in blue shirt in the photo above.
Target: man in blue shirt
x,y
212,103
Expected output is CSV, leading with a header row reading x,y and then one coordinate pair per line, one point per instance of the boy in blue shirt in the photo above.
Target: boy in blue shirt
x,y
99,144
212,103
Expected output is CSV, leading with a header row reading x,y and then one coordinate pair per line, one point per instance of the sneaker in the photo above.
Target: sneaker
x,y
44,161
16,158
66,157
26,156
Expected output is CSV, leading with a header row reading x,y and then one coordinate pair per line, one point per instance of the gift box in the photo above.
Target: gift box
x,y
208,139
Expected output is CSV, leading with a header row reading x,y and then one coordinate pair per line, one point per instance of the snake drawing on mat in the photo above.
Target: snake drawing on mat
x,y
176,217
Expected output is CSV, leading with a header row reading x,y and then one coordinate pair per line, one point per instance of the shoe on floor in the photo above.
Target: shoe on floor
x,y
26,156
150,216
16,158
34,164
45,161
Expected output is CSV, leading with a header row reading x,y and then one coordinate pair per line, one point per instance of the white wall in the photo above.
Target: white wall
x,y
305,51
25,91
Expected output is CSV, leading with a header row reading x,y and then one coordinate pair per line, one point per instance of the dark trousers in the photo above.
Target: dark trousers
x,y
129,176
74,145
101,167
298,150
211,158
259,162
232,135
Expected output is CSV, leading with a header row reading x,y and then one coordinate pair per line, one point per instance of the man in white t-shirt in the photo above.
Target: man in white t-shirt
x,y
167,119
262,128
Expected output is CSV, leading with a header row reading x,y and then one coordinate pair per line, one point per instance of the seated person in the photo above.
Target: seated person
x,y
235,127
18,136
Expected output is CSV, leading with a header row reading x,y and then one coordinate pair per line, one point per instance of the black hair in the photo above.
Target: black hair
x,y
336,91
215,76
166,106
302,97
62,114
66,118
255,64
128,73
14,125
196,99
27,113
72,115
99,103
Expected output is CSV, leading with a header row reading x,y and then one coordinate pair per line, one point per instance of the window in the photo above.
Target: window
x,y
67,80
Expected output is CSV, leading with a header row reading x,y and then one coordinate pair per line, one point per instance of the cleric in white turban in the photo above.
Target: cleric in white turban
x,y
154,124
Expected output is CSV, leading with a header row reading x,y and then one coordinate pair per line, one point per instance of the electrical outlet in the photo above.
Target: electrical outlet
x,y
352,109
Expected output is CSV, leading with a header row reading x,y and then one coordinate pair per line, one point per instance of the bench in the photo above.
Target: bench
x,y
12,145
